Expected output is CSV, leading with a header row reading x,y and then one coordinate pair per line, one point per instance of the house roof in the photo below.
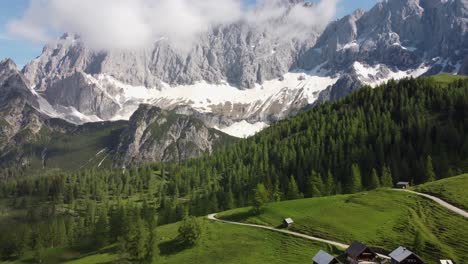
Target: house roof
x,y
405,183
446,261
401,254
356,248
323,257
289,220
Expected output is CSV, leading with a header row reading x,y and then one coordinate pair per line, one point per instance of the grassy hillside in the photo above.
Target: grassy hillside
x,y
446,78
68,147
452,190
384,218
221,243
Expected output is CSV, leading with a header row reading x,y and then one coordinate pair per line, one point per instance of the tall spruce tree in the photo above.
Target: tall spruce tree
x,y
293,190
355,184
375,181
430,174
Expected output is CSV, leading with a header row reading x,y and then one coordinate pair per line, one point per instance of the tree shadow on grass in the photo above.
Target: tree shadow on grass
x,y
241,216
172,247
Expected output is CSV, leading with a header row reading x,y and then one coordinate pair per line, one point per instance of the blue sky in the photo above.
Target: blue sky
x,y
23,51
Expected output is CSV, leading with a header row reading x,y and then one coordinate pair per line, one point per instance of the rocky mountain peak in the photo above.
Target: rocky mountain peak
x,y
7,64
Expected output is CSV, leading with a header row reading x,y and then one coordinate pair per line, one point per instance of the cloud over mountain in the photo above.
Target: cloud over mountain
x,y
134,24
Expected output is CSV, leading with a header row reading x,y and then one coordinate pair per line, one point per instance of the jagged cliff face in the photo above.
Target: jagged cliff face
x,y
17,107
155,135
242,74
397,33
239,54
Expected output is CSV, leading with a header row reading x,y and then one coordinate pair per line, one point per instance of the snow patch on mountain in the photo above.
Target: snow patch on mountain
x,y
244,129
379,74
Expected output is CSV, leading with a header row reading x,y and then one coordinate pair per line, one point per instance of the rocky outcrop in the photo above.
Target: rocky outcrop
x,y
156,135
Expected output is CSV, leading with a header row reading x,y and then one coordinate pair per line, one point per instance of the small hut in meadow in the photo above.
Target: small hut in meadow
x,y
287,222
403,185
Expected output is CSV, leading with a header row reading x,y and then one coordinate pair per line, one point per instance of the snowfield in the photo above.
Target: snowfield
x,y
244,129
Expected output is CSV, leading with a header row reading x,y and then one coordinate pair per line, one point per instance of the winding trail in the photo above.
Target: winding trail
x,y
439,201
330,242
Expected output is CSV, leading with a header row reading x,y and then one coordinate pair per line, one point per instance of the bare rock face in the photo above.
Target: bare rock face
x,y
155,135
398,33
78,91
20,121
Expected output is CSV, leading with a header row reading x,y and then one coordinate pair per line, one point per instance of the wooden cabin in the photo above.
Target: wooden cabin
x,y
358,252
287,222
403,185
402,255
323,257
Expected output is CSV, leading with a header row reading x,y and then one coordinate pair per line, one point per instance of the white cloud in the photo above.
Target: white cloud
x,y
135,24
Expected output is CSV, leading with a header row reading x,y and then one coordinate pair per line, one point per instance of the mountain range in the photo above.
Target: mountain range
x,y
237,79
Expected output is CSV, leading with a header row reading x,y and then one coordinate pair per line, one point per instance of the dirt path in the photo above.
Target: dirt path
x,y
441,202
333,243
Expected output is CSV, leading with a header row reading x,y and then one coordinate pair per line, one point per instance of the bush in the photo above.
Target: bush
x,y
190,231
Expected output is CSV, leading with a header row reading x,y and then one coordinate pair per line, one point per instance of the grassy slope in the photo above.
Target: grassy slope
x,y
446,78
221,243
382,218
452,190
78,149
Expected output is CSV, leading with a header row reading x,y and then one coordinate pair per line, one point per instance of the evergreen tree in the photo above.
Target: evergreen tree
x,y
355,184
330,184
315,186
293,190
260,198
430,174
375,181
387,180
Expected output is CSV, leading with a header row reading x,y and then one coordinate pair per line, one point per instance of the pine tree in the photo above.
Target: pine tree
x,y
330,184
293,190
355,184
260,198
276,196
387,180
430,174
315,185
375,181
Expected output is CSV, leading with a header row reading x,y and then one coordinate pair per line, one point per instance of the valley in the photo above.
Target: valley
x,y
234,131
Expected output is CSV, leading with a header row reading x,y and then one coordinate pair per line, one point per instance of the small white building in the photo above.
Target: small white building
x,y
288,222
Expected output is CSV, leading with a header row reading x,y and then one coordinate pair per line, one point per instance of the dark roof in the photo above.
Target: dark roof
x,y
356,248
401,254
405,183
323,257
